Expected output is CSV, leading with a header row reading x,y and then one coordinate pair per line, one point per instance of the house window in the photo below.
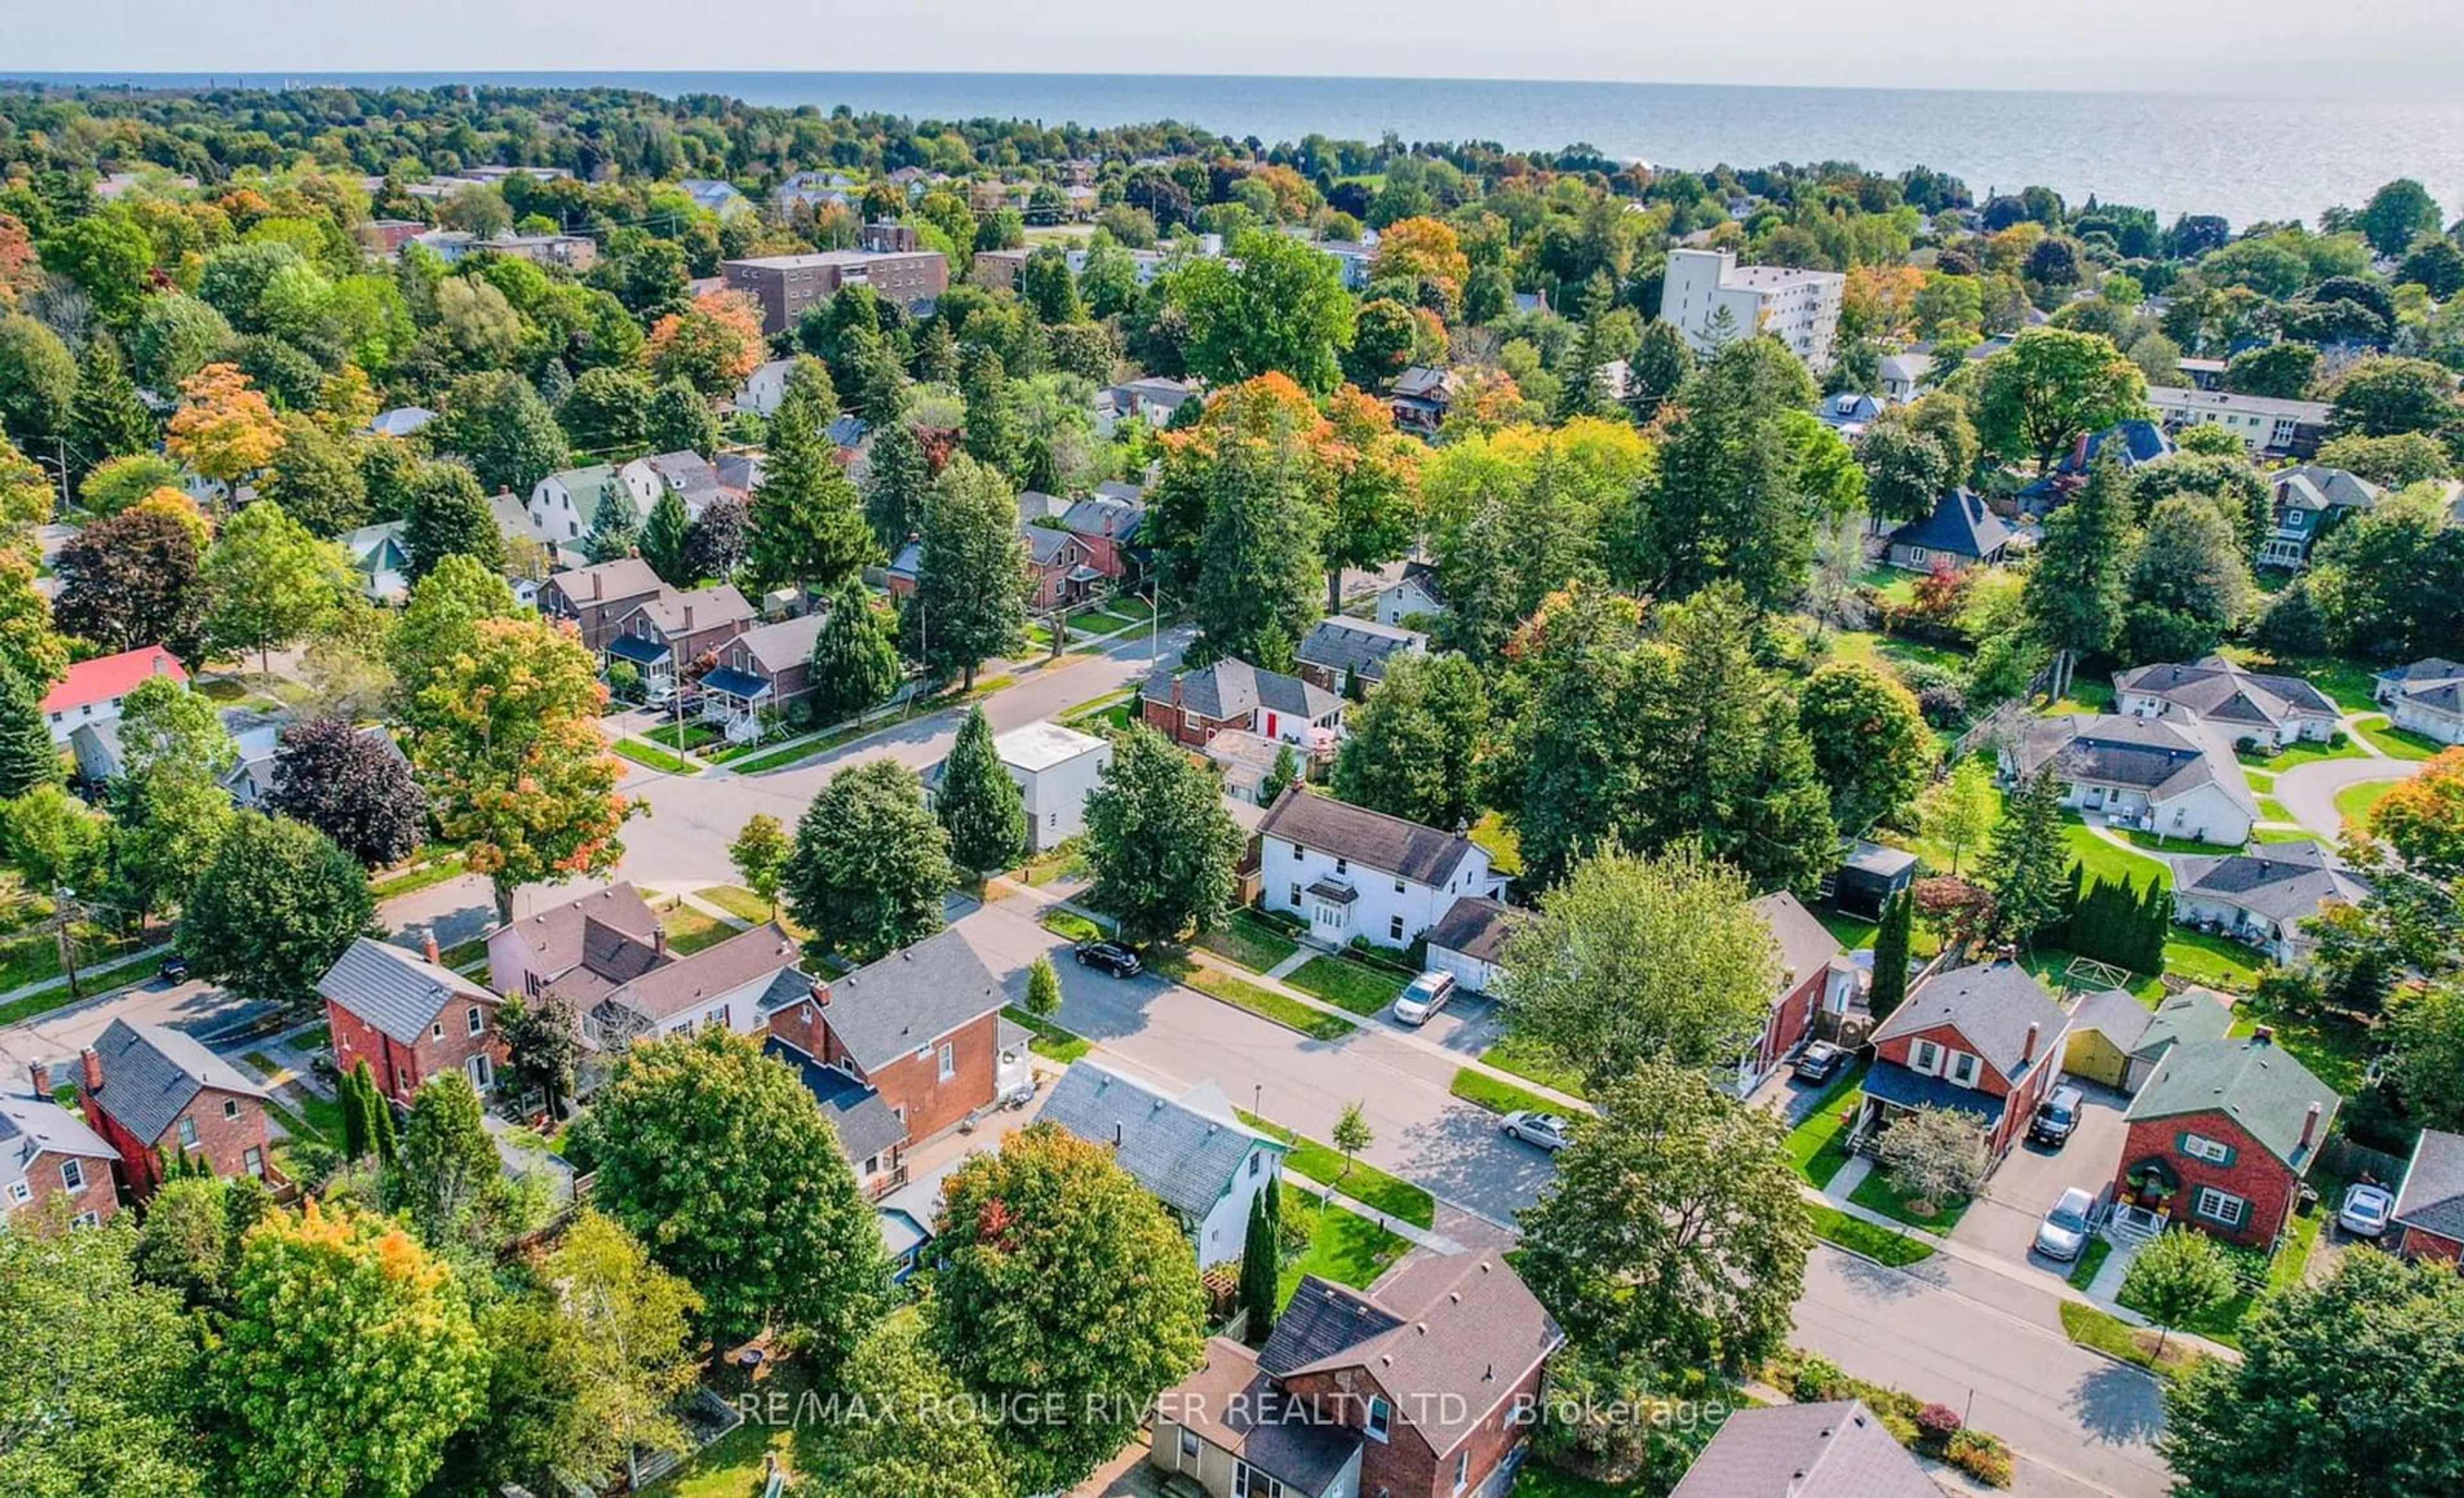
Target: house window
x,y
2199,1147
1917,555
715,1017
19,1193
1381,1419
483,1072
1247,1482
1463,1471
89,1219
1189,1444
1296,851
187,1134
1399,884
1926,1057
73,1175
254,1161
948,1059
1343,865
872,1164
1962,1068
2221,1207
1393,928
1296,897
437,1031
477,1020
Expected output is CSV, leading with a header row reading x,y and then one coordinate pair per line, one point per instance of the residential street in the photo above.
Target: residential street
x,y
1992,1348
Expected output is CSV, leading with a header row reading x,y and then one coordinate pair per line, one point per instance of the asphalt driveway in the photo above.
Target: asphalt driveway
x,y
2032,1177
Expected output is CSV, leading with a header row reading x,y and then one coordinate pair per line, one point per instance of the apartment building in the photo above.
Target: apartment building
x,y
1800,308
2266,425
888,259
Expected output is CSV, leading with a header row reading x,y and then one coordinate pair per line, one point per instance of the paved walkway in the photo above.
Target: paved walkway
x,y
1417,1237
1292,964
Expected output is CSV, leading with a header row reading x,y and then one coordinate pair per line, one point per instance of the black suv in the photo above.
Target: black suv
x,y
1109,956
2056,1117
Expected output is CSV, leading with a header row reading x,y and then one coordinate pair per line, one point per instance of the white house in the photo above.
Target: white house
x,y
1191,1152
2426,697
687,475
2171,775
1415,595
1800,308
2244,707
1350,872
764,387
563,503
2265,424
2263,897
383,562
1055,768
90,695
1466,941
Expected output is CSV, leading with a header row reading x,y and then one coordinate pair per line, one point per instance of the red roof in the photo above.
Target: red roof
x,y
109,676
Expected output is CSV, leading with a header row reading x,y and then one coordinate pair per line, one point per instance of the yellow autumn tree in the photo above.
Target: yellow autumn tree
x,y
1424,249
224,429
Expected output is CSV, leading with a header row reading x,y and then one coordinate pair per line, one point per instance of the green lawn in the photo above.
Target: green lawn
x,y
2336,1049
1098,622
2103,859
1070,925
1537,1479
91,977
2303,751
1266,1003
1484,1090
2398,744
2115,1337
737,901
732,1465
1344,1247
2282,836
1065,859
2217,961
2355,802
1527,1060
434,872
2349,682
2159,843
1891,585
1818,1145
2085,696
1352,986
1876,1193
1047,1039
2271,809
1250,939
1859,1236
1498,837
2222,1323
1326,1165
651,755
1848,930
2048,965
690,930
690,734
2090,1259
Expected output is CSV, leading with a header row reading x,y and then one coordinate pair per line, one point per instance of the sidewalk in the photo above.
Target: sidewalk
x,y
1417,1237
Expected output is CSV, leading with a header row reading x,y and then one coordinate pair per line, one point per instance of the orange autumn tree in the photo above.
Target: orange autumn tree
x,y
1883,298
1424,249
711,346
224,429
2422,819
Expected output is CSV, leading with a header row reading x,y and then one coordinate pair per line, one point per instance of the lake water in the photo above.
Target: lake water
x,y
2274,157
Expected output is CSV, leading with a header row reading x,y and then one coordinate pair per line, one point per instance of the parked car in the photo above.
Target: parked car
x,y
2366,1210
2057,1117
1819,1062
1423,997
1545,1129
1109,956
174,969
2064,1233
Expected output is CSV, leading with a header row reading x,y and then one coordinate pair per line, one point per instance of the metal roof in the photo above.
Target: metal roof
x,y
1187,1156
399,992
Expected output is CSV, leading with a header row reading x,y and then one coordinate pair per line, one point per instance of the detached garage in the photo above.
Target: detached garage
x,y
2117,1040
1466,940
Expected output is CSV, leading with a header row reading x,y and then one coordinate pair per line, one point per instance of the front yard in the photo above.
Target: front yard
x,y
1326,1165
1250,939
1344,1247
1820,1143
1344,981
1877,1194
2396,743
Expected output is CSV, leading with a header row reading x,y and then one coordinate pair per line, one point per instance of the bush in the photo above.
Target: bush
x,y
1943,706
1980,1456
1936,1425
1817,1381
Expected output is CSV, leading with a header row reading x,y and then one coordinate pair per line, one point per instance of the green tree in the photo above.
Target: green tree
x,y
39,384
1417,741
1261,1266
1633,957
978,802
615,526
317,479
269,582
2076,595
897,484
102,1372
759,854
1891,942
855,660
2048,389
608,413
1960,810
107,419
679,420
542,1047
1044,284
2281,371
809,527
1276,304
2426,1025
187,1244
871,866
496,421
1870,743
1062,1277
2340,1383
2395,214
715,1156
1161,842
1661,364
2187,582
446,1160
53,839
972,585
349,1306
2386,397
441,622
1674,1236
1259,557
663,539
28,757
1282,774
443,515
274,909
2024,867
1352,1135
914,1435
1043,987
993,434
1935,1156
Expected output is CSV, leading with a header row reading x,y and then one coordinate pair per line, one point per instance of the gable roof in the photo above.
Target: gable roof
x,y
151,1073
785,645
2214,687
608,582
1473,925
1233,1405
1233,688
2250,1081
1186,1151
866,1125
2315,485
2282,882
1960,525
906,1001
399,992
1806,946
2164,759
1991,1005
1358,645
30,1125
2431,1197
1449,1336
1838,1449
589,927
2193,1015
1371,839
2114,1013
675,615
2436,683
1116,517
669,985
108,677
1424,577
1047,544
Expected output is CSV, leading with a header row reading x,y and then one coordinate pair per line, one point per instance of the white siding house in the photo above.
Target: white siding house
x,y
563,502
1350,872
1055,768
2171,775
1191,1151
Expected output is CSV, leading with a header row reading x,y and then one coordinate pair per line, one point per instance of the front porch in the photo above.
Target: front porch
x,y
1329,910
651,659
735,701
1892,1091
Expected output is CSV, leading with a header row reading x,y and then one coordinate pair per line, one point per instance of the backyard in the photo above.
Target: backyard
x,y
2396,743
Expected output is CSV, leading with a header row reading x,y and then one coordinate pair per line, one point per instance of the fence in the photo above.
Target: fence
x,y
2342,1157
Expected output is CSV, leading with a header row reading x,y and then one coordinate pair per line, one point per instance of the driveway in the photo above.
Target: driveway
x,y
2308,791
2031,1179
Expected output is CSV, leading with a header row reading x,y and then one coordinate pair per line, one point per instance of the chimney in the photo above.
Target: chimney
x,y
687,618
2028,1049
2262,1035
42,1076
1175,690
93,1069
659,940
821,996
427,944
2309,1126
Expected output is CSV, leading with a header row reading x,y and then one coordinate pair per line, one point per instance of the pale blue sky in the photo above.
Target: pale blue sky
x,y
2359,47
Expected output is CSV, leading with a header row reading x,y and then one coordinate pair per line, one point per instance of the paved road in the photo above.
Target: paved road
x,y
58,1035
1993,1349
2308,791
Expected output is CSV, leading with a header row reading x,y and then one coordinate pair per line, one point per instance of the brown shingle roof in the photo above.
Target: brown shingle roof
x,y
1371,839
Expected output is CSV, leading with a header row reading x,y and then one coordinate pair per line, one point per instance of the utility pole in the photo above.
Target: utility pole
x,y
64,911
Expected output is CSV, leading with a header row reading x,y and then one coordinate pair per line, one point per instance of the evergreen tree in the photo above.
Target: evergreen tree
x,y
809,527
856,661
896,486
107,419
1280,776
994,433
445,513
2024,867
1891,954
614,531
663,537
2155,925
1586,391
971,596
2074,595
381,1129
1659,365
352,1092
1259,1250
978,803
28,757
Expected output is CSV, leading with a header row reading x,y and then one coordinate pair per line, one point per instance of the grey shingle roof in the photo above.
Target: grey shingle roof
x,y
1233,1405
866,1125
1105,516
150,1076
1359,645
2195,1014
2283,882
1992,1005
1804,945
1187,1150
2114,1013
608,582
2252,1082
676,614
2161,757
1960,525
1473,925
31,1125
1232,688
399,992
2432,1196
2216,687
1834,1450
670,987
910,999
785,645
1046,545
1371,839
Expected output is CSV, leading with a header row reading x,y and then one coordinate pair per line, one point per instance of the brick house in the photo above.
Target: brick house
x,y
2428,1214
1814,975
144,1087
762,669
410,1017
50,1160
1426,1387
1060,566
1193,706
665,634
919,1030
1985,1040
1110,522
596,599
2222,1134
1838,1450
